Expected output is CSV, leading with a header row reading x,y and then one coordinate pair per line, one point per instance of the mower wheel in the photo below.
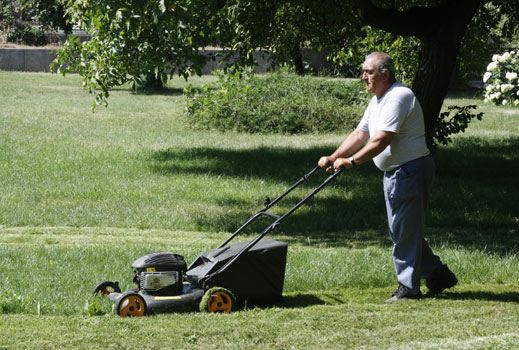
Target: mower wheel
x,y
106,287
131,304
218,299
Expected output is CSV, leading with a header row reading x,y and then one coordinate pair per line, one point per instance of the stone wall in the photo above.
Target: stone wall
x,y
29,60
38,60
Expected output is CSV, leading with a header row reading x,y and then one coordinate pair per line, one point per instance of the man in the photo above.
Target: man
x,y
392,133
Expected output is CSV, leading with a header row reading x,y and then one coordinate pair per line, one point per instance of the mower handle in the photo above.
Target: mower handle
x,y
272,226
269,204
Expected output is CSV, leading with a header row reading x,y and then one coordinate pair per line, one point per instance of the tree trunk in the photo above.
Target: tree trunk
x,y
153,82
297,58
437,62
440,29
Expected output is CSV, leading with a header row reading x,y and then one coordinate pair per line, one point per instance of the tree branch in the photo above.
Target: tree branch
x,y
418,21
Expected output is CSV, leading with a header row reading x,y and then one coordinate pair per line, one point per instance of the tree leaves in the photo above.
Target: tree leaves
x,y
162,6
134,40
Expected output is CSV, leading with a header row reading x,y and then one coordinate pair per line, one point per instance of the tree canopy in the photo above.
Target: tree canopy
x,y
135,39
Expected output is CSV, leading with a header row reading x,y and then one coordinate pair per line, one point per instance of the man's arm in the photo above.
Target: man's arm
x,y
353,142
374,147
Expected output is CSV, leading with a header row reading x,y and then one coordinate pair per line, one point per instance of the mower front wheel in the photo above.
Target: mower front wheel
x,y
106,287
131,304
218,299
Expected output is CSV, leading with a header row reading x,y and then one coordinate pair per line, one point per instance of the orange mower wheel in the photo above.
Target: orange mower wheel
x,y
131,304
218,299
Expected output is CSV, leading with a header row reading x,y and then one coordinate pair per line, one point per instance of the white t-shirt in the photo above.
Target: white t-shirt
x,y
400,112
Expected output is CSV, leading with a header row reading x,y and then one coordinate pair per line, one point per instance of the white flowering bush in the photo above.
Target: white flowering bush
x,y
501,79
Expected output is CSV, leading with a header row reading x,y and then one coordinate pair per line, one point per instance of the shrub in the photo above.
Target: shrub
x,y
25,34
501,79
275,103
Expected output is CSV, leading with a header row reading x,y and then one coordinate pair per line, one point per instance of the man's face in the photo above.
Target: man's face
x,y
374,81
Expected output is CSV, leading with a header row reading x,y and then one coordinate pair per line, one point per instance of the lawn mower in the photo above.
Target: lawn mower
x,y
215,281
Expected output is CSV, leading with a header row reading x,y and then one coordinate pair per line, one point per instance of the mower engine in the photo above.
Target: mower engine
x,y
160,273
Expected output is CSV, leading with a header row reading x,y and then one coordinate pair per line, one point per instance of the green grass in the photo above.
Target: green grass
x,y
83,194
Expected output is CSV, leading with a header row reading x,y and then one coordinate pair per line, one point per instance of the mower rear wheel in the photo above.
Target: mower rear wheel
x,y
218,299
131,304
106,287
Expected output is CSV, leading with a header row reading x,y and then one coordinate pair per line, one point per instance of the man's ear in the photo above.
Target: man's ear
x,y
385,75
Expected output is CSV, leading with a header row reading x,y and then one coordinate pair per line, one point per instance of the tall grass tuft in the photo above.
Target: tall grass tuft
x,y
11,302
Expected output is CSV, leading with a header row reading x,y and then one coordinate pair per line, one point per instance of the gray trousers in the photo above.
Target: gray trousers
x,y
406,191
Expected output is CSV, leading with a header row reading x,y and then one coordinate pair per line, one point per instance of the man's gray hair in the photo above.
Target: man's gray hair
x,y
384,62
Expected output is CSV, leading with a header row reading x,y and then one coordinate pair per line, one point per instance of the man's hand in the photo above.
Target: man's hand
x,y
326,162
331,163
342,163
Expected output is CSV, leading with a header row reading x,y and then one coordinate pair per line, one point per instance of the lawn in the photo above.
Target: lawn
x,y
83,194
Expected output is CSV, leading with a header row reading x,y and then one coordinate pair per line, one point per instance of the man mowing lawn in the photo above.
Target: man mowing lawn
x,y
392,133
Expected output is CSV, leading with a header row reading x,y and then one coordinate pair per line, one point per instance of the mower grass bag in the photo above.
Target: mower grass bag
x,y
257,274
